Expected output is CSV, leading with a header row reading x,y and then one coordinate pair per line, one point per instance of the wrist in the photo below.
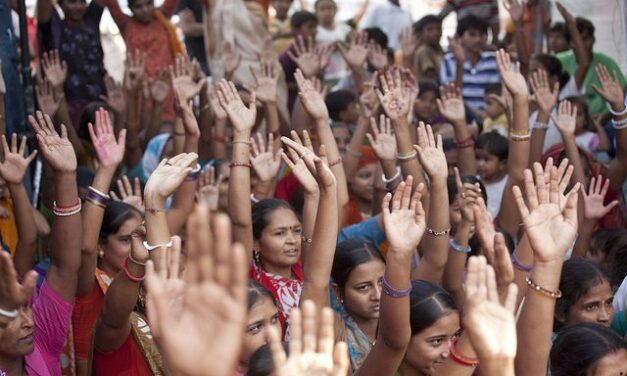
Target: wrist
x,y
497,365
241,135
618,106
401,255
153,201
312,193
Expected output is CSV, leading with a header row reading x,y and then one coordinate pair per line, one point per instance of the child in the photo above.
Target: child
x,y
492,150
279,27
343,107
559,38
428,56
330,32
425,105
496,117
589,135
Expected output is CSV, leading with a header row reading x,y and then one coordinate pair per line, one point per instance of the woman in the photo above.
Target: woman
x,y
588,349
361,187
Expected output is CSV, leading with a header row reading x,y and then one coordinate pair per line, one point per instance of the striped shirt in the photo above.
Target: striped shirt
x,y
476,78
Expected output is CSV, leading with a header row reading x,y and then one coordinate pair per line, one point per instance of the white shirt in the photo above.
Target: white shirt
x,y
336,69
390,18
494,191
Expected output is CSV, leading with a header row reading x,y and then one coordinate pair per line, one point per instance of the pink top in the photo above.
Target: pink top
x,y
51,315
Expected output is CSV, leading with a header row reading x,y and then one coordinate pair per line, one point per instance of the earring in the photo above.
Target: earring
x,y
100,253
256,257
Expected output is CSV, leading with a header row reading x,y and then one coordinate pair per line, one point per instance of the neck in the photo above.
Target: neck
x,y
107,268
12,366
283,271
406,369
369,327
328,25
473,56
364,206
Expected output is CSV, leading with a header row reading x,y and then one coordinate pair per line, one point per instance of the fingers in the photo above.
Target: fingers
x,y
276,348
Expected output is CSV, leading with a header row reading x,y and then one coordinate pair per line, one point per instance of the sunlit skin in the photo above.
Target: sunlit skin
x,y
595,306
260,316
280,241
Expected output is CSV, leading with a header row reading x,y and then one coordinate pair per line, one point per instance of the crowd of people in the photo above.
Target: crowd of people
x,y
301,195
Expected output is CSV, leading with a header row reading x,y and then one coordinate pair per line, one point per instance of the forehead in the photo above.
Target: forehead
x,y
600,291
264,308
371,270
282,217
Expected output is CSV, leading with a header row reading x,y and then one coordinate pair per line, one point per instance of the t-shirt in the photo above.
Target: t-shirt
x,y
390,18
596,104
494,191
336,69
588,141
79,46
427,58
195,46
51,316
476,77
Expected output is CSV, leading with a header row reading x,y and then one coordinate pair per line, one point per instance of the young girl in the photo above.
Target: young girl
x,y
361,187
589,134
331,32
492,151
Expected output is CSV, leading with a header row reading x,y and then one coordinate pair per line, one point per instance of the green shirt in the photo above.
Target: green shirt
x,y
619,323
596,104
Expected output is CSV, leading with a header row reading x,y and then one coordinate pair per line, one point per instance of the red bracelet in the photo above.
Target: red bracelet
x,y
460,359
128,273
240,164
467,143
65,209
335,162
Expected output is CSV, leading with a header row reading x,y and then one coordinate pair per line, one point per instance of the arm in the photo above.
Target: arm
x,y
582,56
12,171
353,150
516,11
218,132
460,58
188,24
134,73
383,143
546,100
159,90
566,122
266,163
44,10
119,17
404,227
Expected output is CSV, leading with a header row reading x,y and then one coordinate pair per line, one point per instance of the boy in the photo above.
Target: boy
x,y
496,117
469,66
428,56
331,32
559,38
279,27
486,10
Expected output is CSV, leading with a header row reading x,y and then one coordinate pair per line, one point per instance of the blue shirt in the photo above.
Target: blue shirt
x,y
14,106
368,231
476,77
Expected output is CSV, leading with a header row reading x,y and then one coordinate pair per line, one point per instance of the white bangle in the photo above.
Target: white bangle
x,y
538,125
9,314
396,176
620,124
153,247
253,199
623,112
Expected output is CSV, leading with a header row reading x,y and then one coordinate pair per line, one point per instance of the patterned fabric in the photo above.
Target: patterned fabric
x,y
487,10
476,77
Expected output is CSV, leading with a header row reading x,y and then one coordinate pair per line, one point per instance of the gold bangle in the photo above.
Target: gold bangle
x,y
407,156
520,138
519,132
439,233
548,293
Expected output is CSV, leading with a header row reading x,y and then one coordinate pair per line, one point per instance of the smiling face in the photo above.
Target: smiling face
x,y
362,293
595,306
16,336
279,243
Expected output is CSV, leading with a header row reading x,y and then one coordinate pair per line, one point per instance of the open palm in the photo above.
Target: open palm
x,y
170,173
431,152
405,223
510,74
56,148
242,117
311,98
109,150
14,166
566,119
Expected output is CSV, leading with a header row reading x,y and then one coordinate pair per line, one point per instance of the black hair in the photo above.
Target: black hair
x,y
338,101
495,89
349,254
300,18
378,36
599,243
493,143
578,276
579,347
426,20
560,27
115,214
261,212
319,1
88,115
617,257
256,292
582,102
471,22
448,144
428,303
585,25
425,86
553,67
261,363
452,187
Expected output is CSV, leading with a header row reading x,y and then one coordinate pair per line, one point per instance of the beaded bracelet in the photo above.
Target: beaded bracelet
x,y
156,246
548,293
407,156
129,275
240,164
390,291
9,314
623,112
464,144
438,233
335,162
458,247
459,358
396,176
520,265
306,240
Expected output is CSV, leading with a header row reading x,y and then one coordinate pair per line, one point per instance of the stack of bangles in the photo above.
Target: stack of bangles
x,y
464,144
194,174
407,156
128,273
66,211
96,197
459,358
390,291
619,124
519,135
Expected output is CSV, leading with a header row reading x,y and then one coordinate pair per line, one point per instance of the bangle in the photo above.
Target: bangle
x,y
519,132
240,164
459,358
407,156
615,113
335,162
95,202
352,153
94,190
458,247
9,314
205,107
153,247
154,211
464,144
551,294
306,240
619,124
518,138
538,125
520,265
128,273
66,212
390,291
439,233
193,174
240,142
97,199
131,259
396,176
253,199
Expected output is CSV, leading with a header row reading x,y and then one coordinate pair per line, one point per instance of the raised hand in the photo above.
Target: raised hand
x,y
301,155
510,74
394,98
308,57
311,98
242,118
357,51
377,55
406,223
515,9
451,104
134,74
408,41
484,226
182,80
208,191
231,59
266,83
169,174
115,95
611,90
14,294
110,153
566,119
183,108
551,230
131,195
566,15
545,97
324,53
490,324
263,158
312,349
383,142
54,68
456,47
211,305
431,152
48,101
502,264
13,168
55,148
467,196
214,102
593,201
160,86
